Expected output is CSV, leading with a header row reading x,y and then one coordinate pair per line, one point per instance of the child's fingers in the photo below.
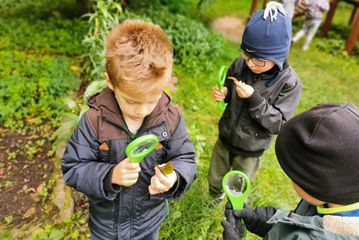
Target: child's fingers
x,y
156,186
233,78
134,167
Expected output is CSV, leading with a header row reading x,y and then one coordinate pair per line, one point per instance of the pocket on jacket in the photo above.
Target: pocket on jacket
x,y
160,153
151,207
104,213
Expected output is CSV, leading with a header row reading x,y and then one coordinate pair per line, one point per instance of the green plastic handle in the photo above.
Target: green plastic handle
x,y
138,149
236,197
221,80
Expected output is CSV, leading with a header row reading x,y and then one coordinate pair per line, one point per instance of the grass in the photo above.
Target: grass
x,y
325,78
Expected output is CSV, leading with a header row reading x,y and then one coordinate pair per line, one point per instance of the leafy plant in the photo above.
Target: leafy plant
x,y
105,15
32,86
194,45
77,110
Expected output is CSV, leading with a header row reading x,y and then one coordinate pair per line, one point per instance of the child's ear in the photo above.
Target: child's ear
x,y
109,83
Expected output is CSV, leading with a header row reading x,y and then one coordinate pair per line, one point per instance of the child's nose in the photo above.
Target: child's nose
x,y
142,110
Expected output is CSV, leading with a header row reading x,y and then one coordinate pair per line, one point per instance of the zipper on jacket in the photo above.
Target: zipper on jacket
x,y
115,124
242,109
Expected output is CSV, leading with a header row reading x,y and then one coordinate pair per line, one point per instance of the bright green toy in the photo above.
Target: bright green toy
x,y
236,185
221,79
140,147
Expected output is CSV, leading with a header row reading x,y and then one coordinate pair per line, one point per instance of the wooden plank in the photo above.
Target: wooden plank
x,y
354,33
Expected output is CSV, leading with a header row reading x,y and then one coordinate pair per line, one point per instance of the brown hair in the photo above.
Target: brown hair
x,y
138,57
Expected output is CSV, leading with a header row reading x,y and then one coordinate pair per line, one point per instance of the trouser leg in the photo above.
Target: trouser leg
x,y
248,165
313,26
219,166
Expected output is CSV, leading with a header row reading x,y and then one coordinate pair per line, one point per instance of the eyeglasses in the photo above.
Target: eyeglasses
x,y
257,61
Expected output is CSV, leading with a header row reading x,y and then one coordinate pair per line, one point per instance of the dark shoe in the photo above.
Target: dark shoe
x,y
219,199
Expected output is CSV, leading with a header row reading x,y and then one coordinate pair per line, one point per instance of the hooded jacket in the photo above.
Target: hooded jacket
x,y
120,212
248,125
306,225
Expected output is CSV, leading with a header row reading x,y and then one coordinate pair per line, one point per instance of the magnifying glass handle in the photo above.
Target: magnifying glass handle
x,y
137,157
236,185
221,80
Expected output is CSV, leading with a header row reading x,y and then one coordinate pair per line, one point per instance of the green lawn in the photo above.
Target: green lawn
x,y
325,77
327,74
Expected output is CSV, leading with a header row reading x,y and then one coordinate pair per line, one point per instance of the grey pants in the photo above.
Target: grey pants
x,y
223,161
310,27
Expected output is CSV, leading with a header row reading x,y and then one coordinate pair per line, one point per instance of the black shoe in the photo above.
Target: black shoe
x,y
219,199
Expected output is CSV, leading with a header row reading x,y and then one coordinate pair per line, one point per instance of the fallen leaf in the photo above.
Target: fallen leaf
x,y
31,190
29,212
31,120
39,188
4,131
166,169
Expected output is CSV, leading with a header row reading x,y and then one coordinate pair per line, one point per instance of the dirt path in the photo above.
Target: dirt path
x,y
230,27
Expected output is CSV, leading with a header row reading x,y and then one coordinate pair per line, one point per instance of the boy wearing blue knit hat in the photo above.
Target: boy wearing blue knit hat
x,y
262,92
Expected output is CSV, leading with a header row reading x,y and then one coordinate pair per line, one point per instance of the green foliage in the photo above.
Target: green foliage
x,y
65,131
194,46
327,76
32,86
56,35
39,8
174,7
104,18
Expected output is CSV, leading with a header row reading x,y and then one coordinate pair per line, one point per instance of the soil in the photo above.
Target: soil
x,y
230,27
25,186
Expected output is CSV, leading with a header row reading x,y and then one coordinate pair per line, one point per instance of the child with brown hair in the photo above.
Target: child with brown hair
x,y
128,200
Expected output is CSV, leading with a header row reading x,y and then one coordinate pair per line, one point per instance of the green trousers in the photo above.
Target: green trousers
x,y
223,161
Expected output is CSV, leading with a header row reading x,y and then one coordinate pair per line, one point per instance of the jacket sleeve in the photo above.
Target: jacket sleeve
x,y
273,116
259,226
235,67
80,164
182,155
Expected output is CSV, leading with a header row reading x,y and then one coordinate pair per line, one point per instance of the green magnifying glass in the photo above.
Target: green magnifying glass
x,y
221,80
236,185
140,147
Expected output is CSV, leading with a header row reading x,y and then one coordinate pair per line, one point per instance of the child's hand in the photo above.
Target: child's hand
x,y
162,183
243,90
219,96
126,173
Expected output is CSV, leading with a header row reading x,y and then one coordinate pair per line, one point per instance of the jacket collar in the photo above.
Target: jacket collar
x,y
106,102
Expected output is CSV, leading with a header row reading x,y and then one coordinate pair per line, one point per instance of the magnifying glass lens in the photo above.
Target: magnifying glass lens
x,y
142,147
236,185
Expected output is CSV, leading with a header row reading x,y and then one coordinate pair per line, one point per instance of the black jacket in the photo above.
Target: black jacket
x,y
248,125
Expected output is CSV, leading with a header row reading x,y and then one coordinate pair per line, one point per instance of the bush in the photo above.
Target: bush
x,y
33,86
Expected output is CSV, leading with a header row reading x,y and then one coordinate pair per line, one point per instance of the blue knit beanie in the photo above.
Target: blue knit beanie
x,y
268,37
